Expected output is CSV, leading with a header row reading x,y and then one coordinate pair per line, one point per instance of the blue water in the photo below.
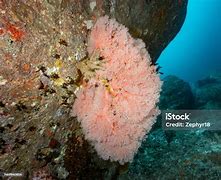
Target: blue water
x,y
196,50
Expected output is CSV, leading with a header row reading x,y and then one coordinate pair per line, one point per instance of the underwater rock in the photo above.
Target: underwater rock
x,y
207,92
175,94
40,44
155,22
190,154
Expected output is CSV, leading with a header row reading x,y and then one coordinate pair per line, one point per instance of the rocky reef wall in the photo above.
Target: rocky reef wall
x,y
41,43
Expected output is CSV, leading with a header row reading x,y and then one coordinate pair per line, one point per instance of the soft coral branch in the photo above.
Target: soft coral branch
x,y
118,106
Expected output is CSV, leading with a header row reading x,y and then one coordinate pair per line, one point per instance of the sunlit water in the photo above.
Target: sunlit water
x,y
196,50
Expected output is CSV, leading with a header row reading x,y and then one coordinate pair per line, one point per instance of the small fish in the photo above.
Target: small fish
x,y
158,68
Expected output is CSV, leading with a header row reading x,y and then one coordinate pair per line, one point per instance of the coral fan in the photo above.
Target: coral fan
x,y
117,107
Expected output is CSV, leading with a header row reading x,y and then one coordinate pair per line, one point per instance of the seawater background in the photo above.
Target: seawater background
x,y
196,50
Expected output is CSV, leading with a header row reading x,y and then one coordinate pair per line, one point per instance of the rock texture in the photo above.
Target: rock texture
x,y
207,92
156,22
176,94
189,155
41,43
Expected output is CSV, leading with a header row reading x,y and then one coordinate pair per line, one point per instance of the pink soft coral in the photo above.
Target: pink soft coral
x,y
118,106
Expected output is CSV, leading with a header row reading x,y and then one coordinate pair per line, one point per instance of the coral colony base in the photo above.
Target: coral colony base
x,y
117,106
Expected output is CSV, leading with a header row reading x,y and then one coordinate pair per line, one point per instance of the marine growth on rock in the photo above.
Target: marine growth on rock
x,y
117,106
